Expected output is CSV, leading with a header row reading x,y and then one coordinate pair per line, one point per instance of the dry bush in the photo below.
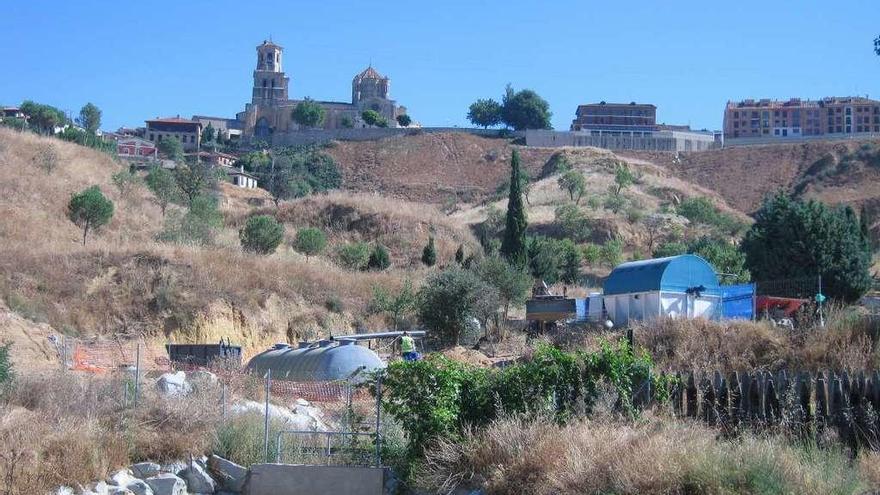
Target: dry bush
x,y
66,428
849,340
515,456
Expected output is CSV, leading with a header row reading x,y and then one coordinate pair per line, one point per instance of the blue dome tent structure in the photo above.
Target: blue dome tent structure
x,y
684,286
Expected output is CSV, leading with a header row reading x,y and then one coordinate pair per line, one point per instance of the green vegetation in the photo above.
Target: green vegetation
x,y
524,109
90,118
125,181
404,120
485,113
261,234
552,260
574,182
429,253
310,241
171,148
162,184
701,210
209,133
346,122
511,282
7,373
513,246
459,254
196,226
623,178
354,255
397,306
379,258
89,210
46,157
374,119
792,239
438,398
573,222
450,299
193,180
308,113
293,172
43,118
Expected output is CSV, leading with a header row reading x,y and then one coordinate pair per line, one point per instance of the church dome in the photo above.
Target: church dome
x,y
368,73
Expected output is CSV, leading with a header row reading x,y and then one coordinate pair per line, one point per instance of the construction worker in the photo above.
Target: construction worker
x,y
408,348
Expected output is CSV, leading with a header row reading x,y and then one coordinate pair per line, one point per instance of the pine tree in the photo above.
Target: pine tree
x,y
865,227
429,254
513,247
459,254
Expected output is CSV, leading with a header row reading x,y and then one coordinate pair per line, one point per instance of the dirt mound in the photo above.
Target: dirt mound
x,y
468,356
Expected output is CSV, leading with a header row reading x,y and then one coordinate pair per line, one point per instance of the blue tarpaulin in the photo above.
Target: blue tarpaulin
x,y
738,301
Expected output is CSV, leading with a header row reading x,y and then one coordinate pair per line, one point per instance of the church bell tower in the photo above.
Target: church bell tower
x,y
270,83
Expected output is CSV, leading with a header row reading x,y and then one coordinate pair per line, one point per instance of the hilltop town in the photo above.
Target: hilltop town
x,y
340,297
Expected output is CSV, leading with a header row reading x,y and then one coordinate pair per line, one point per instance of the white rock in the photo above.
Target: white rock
x,y
174,384
174,467
167,484
139,487
292,420
121,478
203,377
197,479
64,490
144,470
116,490
228,474
99,488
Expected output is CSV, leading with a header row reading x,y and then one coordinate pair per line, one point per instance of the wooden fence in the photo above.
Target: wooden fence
x,y
805,403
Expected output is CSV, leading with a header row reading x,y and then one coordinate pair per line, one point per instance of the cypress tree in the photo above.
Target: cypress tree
x,y
513,247
459,254
429,254
864,227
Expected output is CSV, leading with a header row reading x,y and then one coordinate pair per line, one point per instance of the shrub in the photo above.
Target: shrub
x,y
612,252
615,202
308,113
574,182
404,120
354,255
543,259
310,241
397,306
125,181
163,186
89,210
334,304
702,210
450,299
196,226
261,234
573,222
570,259
511,282
429,253
46,157
591,253
379,259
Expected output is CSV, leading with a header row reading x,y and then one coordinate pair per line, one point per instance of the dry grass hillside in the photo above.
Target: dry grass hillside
x,y
125,283
433,168
744,175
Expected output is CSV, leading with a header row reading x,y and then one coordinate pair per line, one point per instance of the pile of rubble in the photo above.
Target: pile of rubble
x,y
203,476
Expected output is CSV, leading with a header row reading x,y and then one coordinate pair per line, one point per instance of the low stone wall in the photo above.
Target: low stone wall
x,y
273,479
660,141
311,136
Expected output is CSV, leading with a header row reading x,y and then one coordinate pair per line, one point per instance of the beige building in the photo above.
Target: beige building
x,y
796,118
188,132
270,112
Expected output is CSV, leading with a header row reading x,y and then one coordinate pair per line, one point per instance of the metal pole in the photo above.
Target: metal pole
x,y
266,422
378,420
137,373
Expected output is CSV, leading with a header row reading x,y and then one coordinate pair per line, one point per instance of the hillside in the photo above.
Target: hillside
x,y
126,283
744,175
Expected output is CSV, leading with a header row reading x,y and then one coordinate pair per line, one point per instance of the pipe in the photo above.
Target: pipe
x,y
379,335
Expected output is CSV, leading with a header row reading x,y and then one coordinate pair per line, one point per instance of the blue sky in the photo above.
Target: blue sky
x,y
139,60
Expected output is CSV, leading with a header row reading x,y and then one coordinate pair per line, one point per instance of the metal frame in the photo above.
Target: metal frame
x,y
328,451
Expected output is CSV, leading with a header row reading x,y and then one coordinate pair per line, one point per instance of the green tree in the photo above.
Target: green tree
x,y
612,252
46,157
43,118
485,113
525,110
575,183
623,178
171,148
346,122
404,120
193,180
459,254
379,258
125,181
310,241
89,210
163,186
308,113
261,234
877,45
725,257
570,261
197,226
429,253
544,260
573,222
794,239
7,373
865,227
397,306
354,255
209,134
450,298
673,248
513,247
372,117
511,282
90,118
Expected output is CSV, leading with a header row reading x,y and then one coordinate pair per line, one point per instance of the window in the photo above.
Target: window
x,y
838,129
877,128
736,125
152,138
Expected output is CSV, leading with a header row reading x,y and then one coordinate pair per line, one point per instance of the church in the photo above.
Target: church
x,y
270,112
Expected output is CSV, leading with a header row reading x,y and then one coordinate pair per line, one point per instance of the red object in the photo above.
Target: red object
x,y
788,305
